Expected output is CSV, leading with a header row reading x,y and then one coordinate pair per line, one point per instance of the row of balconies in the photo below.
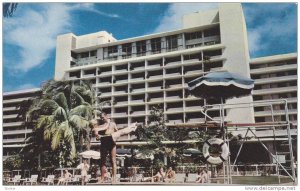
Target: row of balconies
x,y
153,78
275,90
16,140
119,55
274,69
15,132
275,79
275,113
17,100
111,70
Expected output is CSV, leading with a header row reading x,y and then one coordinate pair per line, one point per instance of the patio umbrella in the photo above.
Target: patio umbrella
x,y
221,85
90,154
124,153
191,152
144,156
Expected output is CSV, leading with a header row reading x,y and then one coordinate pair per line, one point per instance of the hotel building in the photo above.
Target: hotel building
x,y
137,73
14,131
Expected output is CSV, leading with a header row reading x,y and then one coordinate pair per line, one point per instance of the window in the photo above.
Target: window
x,y
212,32
126,50
193,35
93,53
141,48
156,45
172,43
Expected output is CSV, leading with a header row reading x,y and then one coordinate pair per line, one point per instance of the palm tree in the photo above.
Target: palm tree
x,y
61,116
9,9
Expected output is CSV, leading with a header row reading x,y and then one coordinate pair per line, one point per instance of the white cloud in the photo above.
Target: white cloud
x,y
269,24
173,17
34,33
91,8
34,30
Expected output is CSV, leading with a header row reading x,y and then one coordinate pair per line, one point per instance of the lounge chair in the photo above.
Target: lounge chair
x,y
32,180
49,180
15,180
179,178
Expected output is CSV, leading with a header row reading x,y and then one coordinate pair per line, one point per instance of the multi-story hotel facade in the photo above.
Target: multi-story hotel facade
x,y
14,131
138,73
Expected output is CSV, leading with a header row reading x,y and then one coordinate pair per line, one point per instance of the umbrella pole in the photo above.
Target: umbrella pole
x,y
225,137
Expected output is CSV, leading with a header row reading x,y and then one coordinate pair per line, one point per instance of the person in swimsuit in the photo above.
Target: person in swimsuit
x,y
108,133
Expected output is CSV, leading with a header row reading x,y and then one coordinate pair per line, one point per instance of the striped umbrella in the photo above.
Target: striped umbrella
x,y
221,85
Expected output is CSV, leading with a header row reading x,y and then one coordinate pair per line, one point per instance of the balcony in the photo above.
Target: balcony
x,y
274,69
15,132
153,66
73,78
275,113
194,72
16,140
159,99
120,71
121,81
216,69
172,75
120,92
275,90
270,133
196,120
120,114
275,79
169,98
192,108
174,86
175,121
193,41
137,101
138,90
103,84
108,73
120,103
136,113
9,108
10,116
137,79
140,68
88,75
106,94
174,110
86,61
13,124
211,40
152,89
171,64
191,61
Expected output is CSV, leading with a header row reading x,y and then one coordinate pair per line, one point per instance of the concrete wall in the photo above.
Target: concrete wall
x,y
200,18
234,37
94,39
64,44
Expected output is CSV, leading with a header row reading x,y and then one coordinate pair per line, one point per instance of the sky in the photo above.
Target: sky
x,y
29,37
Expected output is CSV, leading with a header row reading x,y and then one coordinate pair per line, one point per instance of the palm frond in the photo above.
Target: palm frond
x,y
60,114
85,111
61,100
56,138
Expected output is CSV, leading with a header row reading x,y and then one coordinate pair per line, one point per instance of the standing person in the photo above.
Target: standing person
x,y
108,134
84,167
